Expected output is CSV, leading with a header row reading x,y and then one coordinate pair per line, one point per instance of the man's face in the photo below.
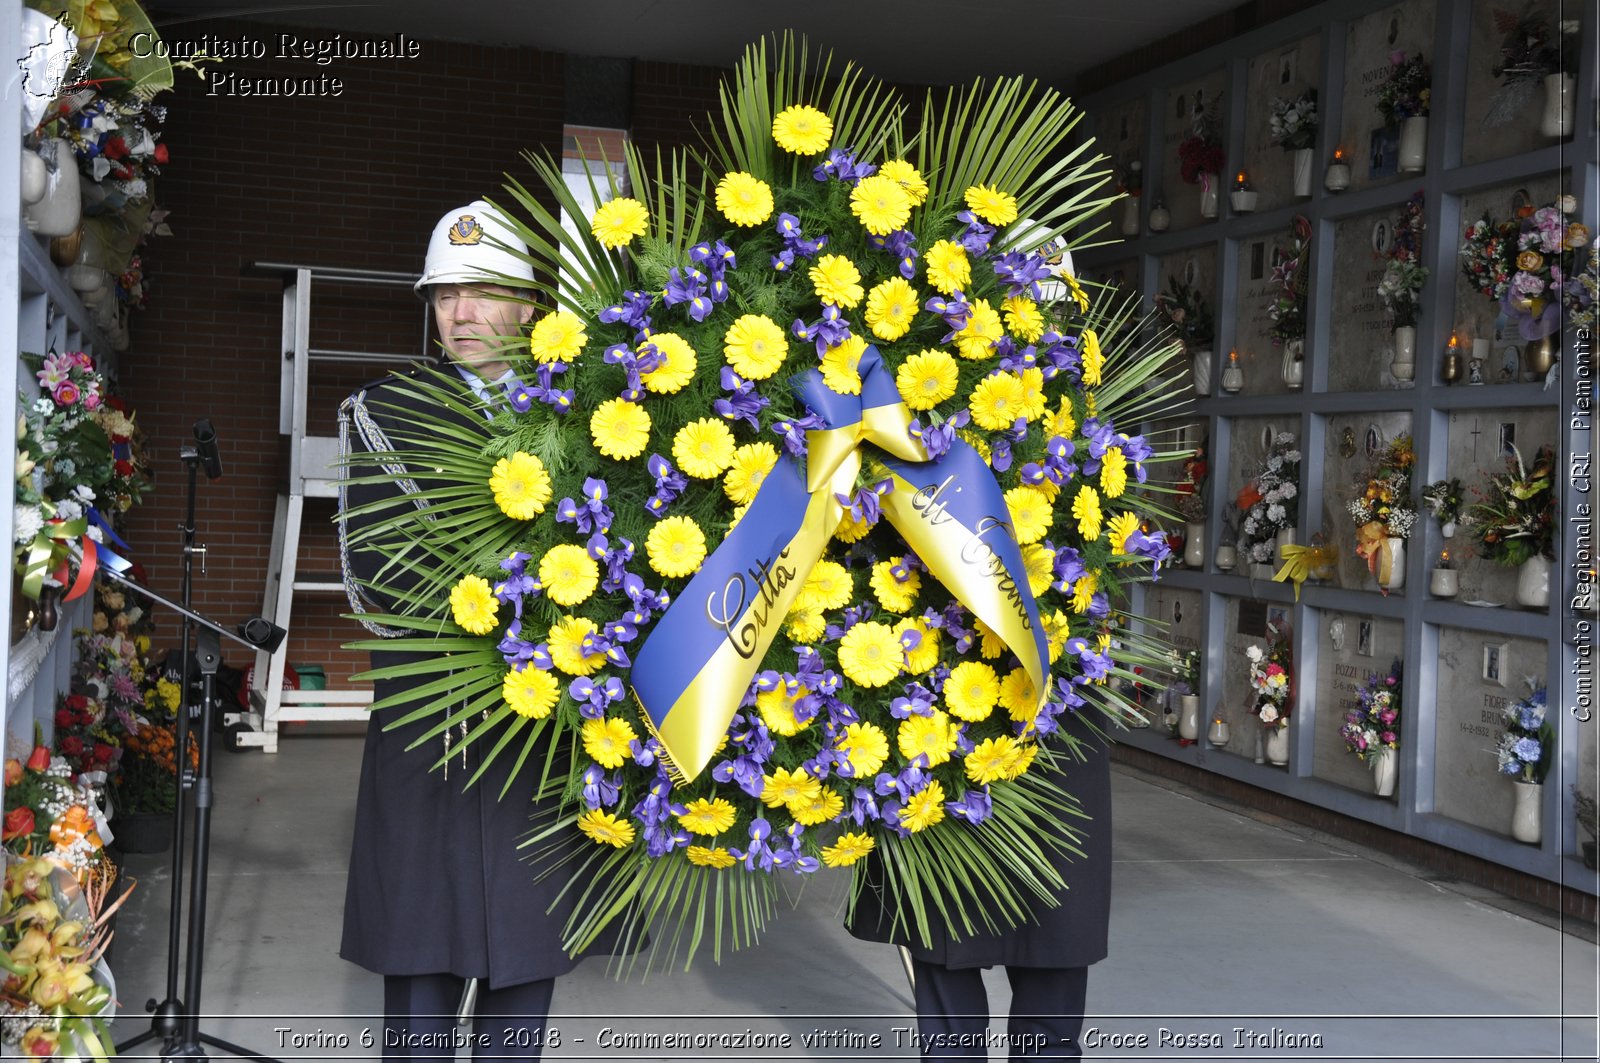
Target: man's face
x,y
480,324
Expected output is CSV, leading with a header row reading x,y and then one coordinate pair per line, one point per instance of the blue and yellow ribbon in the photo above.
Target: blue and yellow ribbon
x,y
692,672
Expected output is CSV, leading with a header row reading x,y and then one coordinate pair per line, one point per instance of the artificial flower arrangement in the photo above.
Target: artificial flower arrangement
x,y
1200,153
1516,519
1291,277
1373,723
1191,489
1400,287
1531,49
1383,509
906,515
1268,501
83,737
1293,124
1184,309
79,465
1184,668
54,930
1405,92
1533,266
1526,737
1443,499
1272,677
51,814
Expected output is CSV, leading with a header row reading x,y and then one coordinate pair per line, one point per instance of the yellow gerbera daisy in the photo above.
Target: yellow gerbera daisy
x,y
990,644
521,486
976,339
751,463
837,281
891,308
909,178
1023,318
923,809
866,747
676,547
948,267
530,691
1119,529
841,366
1034,401
777,708
1086,507
566,641
1023,759
829,586
805,624
707,815
848,849
473,605
743,199
881,203
569,574
558,337
1040,562
703,448
605,828
827,805
1031,513
927,378
606,741
1062,423
1094,359
1018,695
992,205
1083,592
932,736
870,654
894,595
972,691
992,759
620,429
1113,473
998,401
1075,291
802,130
755,346
925,654
616,223
851,530
678,368
786,788
703,856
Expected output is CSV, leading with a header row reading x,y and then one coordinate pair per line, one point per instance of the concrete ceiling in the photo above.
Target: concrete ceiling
x,y
909,41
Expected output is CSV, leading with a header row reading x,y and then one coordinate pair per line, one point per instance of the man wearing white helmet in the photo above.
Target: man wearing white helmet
x,y
438,901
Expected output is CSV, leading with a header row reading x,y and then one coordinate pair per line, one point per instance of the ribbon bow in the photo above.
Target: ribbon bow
x,y
1300,562
693,671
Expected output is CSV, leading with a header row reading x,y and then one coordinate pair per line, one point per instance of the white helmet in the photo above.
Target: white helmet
x,y
474,245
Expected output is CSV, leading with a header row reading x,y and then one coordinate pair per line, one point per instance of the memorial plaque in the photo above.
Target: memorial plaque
x,y
1476,441
1260,356
1342,671
1467,785
1237,699
1183,105
1119,132
1361,332
1282,73
1406,28
1504,119
1173,615
1354,442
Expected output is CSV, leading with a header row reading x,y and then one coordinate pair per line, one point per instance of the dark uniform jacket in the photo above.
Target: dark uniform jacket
x,y
1072,934
437,884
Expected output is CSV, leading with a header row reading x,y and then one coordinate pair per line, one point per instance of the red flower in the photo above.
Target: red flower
x,y
72,746
39,759
67,394
13,771
103,753
18,823
160,154
123,468
116,403
65,717
114,148
76,701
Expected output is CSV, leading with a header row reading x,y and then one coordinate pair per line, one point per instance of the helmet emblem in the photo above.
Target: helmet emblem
x,y
466,230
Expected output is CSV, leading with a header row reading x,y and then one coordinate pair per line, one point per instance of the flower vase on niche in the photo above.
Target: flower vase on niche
x,y
1285,537
1404,365
1384,771
1277,745
1294,364
1208,194
1304,162
1189,716
1392,563
1414,143
1557,118
1538,356
1227,557
1194,544
1130,216
1527,819
1533,583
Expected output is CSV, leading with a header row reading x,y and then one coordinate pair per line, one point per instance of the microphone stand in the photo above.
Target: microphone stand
x,y
179,1027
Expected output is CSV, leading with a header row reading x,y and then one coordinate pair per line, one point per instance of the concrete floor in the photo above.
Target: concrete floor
x,y
1223,920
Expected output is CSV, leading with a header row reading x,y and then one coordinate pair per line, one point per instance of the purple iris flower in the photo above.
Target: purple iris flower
x,y
1059,355
939,438
643,598
546,391
633,311
521,396
688,286
902,244
863,807
1015,360
743,402
1068,569
794,432
851,616
841,165
917,702
975,807
955,310
976,236
864,505
514,649
598,790
758,853
1022,273
830,330
594,698
644,753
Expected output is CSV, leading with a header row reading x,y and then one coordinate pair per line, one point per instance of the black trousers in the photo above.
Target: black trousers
x,y
420,1018
1046,1012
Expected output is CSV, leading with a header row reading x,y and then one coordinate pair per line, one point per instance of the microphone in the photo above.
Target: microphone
x,y
205,438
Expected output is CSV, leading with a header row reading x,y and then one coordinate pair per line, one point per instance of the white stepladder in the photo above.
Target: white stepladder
x,y
312,473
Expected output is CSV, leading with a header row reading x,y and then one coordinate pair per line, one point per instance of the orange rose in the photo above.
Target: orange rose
x,y
1529,261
